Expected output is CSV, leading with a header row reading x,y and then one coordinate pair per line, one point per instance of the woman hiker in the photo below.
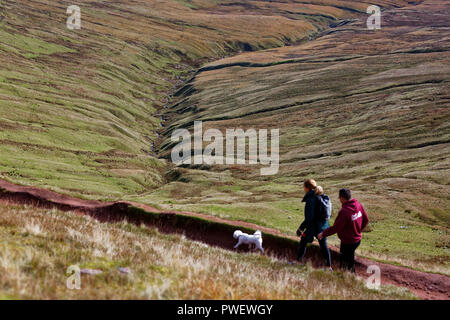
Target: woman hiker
x,y
314,222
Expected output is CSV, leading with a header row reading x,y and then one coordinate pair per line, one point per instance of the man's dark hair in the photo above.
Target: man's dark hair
x,y
345,193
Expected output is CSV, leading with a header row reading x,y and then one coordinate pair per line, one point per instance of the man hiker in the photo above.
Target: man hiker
x,y
317,212
350,222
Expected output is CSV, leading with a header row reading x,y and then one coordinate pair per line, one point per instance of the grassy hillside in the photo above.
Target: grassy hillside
x,y
80,110
161,266
356,108
89,112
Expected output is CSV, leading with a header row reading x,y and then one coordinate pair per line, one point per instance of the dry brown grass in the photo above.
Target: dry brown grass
x,y
39,245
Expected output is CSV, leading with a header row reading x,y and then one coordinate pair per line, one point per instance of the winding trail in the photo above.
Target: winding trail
x,y
217,232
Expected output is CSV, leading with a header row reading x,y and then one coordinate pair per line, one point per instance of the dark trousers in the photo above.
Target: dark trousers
x,y
347,258
323,248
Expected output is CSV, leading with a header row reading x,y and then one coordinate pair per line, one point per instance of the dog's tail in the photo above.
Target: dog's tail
x,y
237,234
258,234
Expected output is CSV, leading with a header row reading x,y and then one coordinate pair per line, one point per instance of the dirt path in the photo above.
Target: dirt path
x,y
216,231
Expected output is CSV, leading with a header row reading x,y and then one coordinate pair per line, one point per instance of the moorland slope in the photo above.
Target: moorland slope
x,y
89,112
87,103
356,108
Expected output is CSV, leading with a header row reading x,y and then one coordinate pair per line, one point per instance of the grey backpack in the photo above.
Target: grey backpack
x,y
325,207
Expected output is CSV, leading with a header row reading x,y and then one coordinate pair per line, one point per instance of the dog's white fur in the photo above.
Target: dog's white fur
x,y
244,238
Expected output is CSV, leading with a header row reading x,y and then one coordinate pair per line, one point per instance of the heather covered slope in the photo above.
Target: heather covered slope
x,y
356,108
79,110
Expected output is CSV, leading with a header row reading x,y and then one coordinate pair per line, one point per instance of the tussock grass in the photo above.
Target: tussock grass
x,y
33,264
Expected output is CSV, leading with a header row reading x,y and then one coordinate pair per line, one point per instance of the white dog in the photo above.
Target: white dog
x,y
244,238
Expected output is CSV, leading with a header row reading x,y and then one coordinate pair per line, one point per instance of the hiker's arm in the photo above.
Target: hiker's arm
x,y
337,226
310,206
365,218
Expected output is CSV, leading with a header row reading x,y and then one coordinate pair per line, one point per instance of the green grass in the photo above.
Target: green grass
x,y
29,47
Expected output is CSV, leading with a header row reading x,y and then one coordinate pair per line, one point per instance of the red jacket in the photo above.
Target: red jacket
x,y
351,220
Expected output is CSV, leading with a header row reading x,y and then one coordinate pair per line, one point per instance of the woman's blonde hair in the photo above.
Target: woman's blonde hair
x,y
319,190
310,184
